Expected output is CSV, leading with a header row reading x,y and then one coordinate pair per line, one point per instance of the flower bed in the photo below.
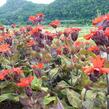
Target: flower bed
x,y
40,69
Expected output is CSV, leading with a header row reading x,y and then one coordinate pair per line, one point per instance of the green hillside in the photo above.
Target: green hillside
x,y
19,10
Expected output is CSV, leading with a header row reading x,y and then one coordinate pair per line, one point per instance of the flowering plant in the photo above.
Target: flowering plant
x,y
44,69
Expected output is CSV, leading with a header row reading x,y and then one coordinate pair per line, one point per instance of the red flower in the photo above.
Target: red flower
x,y
30,43
32,18
4,73
88,36
55,23
59,51
100,19
78,43
40,15
107,32
38,66
4,48
97,65
13,25
36,29
17,70
25,82
1,38
2,28
69,31
92,48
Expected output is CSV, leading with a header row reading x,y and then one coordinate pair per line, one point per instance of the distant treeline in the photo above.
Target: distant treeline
x,y
17,11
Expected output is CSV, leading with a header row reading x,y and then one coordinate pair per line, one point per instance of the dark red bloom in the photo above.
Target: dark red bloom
x,y
2,28
13,25
73,32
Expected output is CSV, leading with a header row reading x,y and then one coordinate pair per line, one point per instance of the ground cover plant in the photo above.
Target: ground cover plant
x,y
42,69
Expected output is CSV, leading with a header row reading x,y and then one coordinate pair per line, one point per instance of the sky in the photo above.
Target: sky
x,y
2,2
42,1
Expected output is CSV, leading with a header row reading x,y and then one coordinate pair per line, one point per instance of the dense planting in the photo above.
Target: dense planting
x,y
44,69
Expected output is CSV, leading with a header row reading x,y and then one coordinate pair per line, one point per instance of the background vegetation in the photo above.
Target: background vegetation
x,y
70,11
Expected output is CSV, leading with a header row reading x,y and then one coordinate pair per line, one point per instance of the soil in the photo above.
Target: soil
x,y
10,105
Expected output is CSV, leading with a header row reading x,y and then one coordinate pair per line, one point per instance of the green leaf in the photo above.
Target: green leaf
x,y
73,98
66,61
85,52
62,85
4,84
89,104
54,72
36,83
85,80
48,100
91,95
9,96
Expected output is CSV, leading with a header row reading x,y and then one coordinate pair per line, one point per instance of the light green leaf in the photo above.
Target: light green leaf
x,y
36,83
74,98
53,72
9,96
89,104
48,100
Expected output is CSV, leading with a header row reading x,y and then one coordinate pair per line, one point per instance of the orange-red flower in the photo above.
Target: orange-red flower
x,y
17,70
36,29
88,36
32,18
97,65
100,19
92,48
25,82
40,15
4,73
38,66
78,43
1,38
55,23
107,32
4,48
30,43
59,51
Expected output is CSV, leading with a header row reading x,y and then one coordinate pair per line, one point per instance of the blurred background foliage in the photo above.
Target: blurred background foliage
x,y
69,11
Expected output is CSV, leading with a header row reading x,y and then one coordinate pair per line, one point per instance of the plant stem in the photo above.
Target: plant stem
x,y
107,79
84,98
107,95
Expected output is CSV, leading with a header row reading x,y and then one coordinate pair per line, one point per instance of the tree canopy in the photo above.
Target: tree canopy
x,y
15,11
